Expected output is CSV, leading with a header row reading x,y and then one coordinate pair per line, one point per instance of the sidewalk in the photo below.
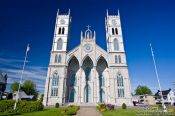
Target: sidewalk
x,y
88,111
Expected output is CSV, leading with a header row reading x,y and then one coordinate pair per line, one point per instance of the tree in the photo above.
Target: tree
x,y
30,88
41,98
14,87
141,90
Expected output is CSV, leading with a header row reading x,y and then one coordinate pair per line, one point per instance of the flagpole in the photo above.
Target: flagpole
x,y
17,96
163,104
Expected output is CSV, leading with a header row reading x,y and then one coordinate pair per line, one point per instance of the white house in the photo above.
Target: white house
x,y
168,97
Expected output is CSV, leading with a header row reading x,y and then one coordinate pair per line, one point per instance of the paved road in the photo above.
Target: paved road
x,y
88,111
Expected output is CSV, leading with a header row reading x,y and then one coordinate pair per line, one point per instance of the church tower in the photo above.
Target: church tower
x,y
114,39
118,68
56,76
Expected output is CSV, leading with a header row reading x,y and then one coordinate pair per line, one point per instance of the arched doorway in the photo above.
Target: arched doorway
x,y
102,95
101,66
72,96
73,67
87,94
87,67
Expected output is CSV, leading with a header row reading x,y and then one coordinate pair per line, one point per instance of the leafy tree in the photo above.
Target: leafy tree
x,y
14,87
141,90
30,88
41,98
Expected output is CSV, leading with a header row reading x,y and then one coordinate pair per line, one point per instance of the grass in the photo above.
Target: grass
x,y
129,112
46,112
120,112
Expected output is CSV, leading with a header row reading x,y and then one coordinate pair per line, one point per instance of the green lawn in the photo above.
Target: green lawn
x,y
46,112
130,112
120,112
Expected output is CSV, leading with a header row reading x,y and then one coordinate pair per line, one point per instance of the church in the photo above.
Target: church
x,y
87,74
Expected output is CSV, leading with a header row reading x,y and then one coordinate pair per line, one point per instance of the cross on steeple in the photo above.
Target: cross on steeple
x,y
88,27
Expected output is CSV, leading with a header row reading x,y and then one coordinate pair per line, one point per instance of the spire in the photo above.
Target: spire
x,y
69,12
107,12
118,13
81,35
94,35
57,12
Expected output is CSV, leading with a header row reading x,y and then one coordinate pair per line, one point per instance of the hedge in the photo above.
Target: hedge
x,y
71,110
22,106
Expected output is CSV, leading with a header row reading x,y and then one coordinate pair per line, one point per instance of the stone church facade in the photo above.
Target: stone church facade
x,y
87,74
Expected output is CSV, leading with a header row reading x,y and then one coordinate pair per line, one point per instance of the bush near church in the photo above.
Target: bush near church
x,y
104,107
124,106
57,105
72,110
22,106
110,107
101,107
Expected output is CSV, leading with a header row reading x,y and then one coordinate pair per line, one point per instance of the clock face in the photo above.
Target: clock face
x,y
114,22
88,48
62,21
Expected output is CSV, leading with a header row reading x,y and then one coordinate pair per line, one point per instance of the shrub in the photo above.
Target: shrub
x,y
71,111
123,106
29,106
22,106
102,107
57,105
73,106
110,107
6,105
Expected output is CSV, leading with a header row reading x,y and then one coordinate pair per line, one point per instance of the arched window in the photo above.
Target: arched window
x,y
116,61
112,31
116,31
59,44
120,80
120,85
63,30
119,59
55,81
59,30
56,58
116,44
59,58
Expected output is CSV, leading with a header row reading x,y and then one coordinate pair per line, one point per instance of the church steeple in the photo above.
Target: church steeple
x,y
61,33
114,37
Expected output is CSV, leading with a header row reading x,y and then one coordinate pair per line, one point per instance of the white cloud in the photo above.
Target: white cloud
x,y
13,68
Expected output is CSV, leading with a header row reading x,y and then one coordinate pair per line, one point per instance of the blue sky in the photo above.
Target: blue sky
x,y
143,21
